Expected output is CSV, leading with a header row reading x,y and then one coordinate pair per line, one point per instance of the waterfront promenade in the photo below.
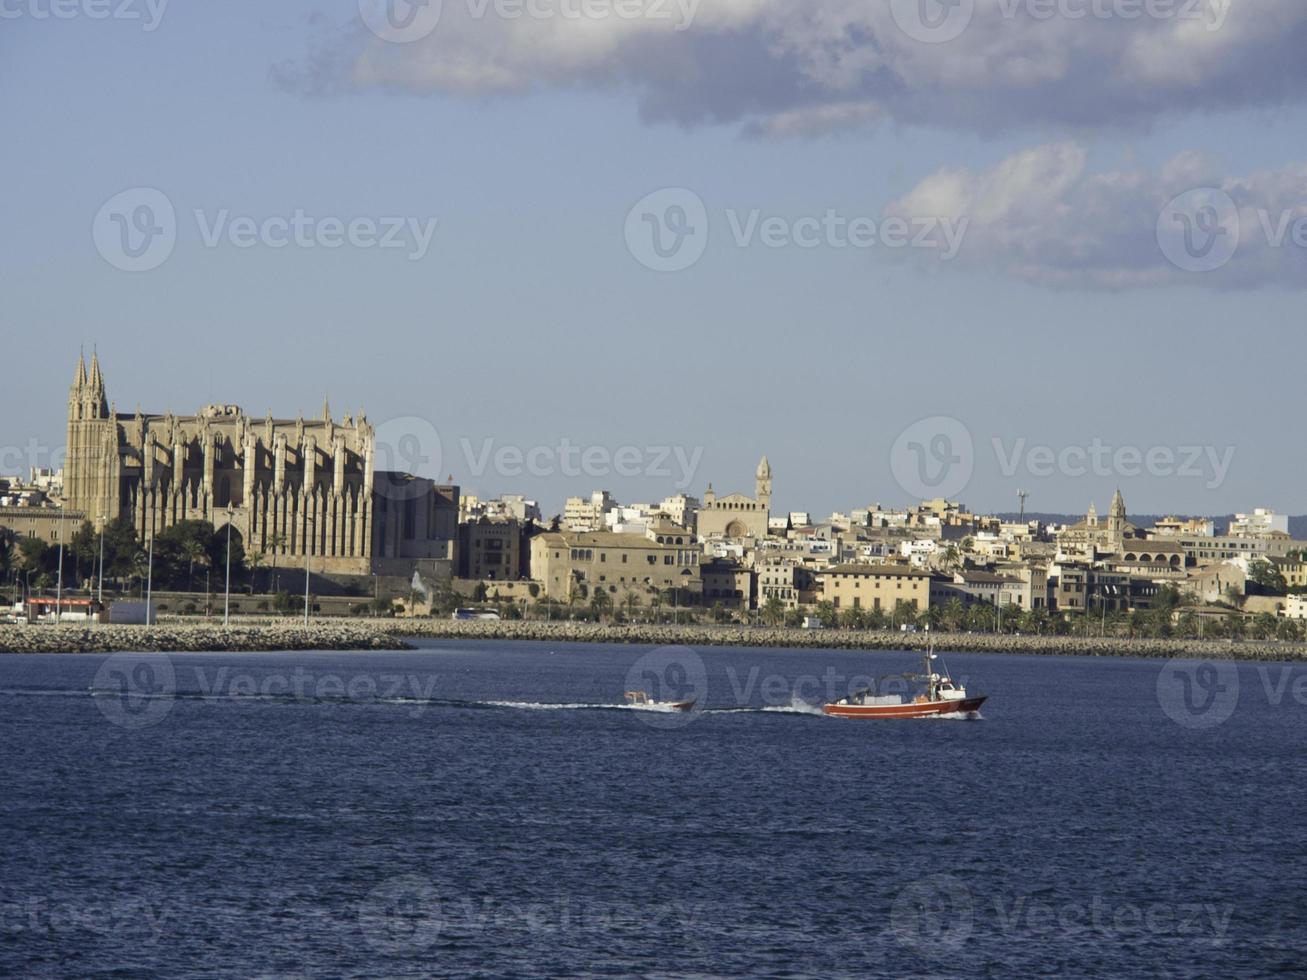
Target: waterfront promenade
x,y
262,634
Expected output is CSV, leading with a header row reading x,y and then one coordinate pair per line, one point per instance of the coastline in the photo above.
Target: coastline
x,y
249,635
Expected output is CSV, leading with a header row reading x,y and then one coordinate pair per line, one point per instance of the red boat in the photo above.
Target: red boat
x,y
941,697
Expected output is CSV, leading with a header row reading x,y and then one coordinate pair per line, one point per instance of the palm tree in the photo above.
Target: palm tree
x,y
276,541
254,561
140,568
194,552
601,602
631,600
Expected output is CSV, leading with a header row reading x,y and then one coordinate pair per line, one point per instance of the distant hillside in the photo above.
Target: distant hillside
x,y
1297,525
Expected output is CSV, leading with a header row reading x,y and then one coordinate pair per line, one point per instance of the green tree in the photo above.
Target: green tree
x,y
253,562
773,611
1267,577
601,603
276,542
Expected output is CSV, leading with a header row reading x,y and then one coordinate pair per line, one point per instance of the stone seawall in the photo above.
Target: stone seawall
x,y
706,636
194,637
260,634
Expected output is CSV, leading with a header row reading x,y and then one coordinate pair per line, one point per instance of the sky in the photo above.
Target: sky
x,y
904,248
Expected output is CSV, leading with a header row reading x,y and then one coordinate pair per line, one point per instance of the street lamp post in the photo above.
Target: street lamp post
x,y
149,581
226,600
307,554
59,586
100,589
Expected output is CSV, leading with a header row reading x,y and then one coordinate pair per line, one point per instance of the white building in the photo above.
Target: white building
x,y
588,514
1259,524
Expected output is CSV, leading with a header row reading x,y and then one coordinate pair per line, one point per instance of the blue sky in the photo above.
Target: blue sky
x,y
529,320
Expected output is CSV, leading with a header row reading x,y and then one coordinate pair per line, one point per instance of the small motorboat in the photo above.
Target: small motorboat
x,y
941,696
641,699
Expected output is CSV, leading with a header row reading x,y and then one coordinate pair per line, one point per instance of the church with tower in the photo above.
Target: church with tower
x,y
737,515
306,490
1092,536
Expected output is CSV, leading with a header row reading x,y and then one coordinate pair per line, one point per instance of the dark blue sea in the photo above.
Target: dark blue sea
x,y
485,810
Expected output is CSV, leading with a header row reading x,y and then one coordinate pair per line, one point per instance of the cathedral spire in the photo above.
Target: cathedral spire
x,y
326,409
80,378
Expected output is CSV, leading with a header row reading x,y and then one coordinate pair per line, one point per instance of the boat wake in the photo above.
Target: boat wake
x,y
958,716
575,706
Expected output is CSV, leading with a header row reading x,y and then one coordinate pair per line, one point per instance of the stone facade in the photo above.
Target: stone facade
x,y
618,563
306,490
737,515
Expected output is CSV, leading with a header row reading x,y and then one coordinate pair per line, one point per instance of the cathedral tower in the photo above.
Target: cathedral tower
x,y
91,461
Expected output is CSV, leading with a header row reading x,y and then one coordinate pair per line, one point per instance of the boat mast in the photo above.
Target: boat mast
x,y
930,665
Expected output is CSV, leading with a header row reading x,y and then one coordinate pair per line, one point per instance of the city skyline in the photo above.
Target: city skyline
x,y
917,461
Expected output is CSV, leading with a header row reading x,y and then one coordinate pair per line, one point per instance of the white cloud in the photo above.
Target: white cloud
x,y
1042,215
782,67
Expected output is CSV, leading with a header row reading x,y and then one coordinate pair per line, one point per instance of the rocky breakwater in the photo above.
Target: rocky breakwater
x,y
707,636
198,637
